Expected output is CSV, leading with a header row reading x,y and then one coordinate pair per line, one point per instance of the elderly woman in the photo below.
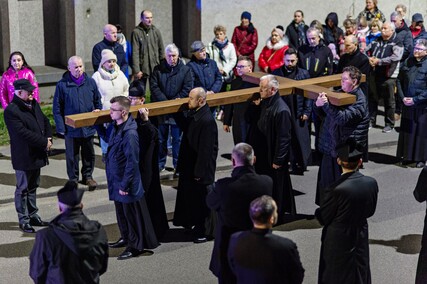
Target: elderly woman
x,y
18,69
372,12
412,144
245,37
271,56
224,54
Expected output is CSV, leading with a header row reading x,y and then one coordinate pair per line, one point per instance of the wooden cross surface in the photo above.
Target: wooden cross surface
x,y
310,88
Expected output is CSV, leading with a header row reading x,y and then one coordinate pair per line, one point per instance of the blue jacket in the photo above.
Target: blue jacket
x,y
122,161
71,98
118,50
341,123
206,74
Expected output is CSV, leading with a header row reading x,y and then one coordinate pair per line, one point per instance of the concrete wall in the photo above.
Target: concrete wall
x,y
266,14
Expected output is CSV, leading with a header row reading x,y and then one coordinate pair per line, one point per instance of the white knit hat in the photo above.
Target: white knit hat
x,y
107,54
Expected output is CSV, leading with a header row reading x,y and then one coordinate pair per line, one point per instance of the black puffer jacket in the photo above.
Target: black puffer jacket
x,y
340,123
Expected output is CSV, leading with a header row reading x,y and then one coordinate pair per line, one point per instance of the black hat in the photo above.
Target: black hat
x,y
70,194
136,90
350,151
417,17
23,84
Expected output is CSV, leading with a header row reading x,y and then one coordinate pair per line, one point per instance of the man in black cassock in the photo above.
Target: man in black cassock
x,y
420,194
196,164
344,254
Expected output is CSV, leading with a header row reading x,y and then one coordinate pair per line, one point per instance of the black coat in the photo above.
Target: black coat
x,y
299,106
149,168
344,255
258,257
318,60
196,159
420,194
28,131
297,35
231,198
73,249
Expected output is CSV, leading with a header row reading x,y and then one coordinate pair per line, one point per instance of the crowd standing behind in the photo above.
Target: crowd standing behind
x,y
390,53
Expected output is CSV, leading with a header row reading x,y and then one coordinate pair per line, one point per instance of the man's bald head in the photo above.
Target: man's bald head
x,y
110,33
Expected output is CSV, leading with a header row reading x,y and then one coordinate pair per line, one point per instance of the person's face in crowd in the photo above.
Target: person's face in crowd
x,y
417,25
313,39
298,17
116,111
16,62
194,100
243,67
375,29
347,84
264,90
330,23
291,61
25,95
275,37
350,29
109,65
245,22
349,46
111,34
420,51
76,67
396,20
201,54
172,58
370,5
400,11
386,31
220,36
136,101
147,18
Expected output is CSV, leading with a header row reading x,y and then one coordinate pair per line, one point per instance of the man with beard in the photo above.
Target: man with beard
x,y
300,110
196,164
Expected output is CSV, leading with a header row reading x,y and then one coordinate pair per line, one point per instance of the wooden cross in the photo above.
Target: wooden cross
x,y
310,88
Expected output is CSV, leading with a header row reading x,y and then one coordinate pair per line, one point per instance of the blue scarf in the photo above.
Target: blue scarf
x,y
220,47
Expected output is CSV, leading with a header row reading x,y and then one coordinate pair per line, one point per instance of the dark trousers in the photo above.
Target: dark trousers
x,y
384,89
27,183
175,132
73,147
121,220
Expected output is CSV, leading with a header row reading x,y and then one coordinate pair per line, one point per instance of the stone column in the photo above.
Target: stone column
x,y
4,35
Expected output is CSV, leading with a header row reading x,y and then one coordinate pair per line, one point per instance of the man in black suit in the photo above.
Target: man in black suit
x,y
30,140
258,256
344,254
231,198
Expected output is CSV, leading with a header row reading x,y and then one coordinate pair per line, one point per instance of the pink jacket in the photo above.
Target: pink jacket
x,y
6,84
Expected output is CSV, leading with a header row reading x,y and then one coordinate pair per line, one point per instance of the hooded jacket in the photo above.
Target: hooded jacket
x,y
73,249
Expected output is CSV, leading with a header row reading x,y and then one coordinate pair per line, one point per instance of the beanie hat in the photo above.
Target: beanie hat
x,y
107,54
246,15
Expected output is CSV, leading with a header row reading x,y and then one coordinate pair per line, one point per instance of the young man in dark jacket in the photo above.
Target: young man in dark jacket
x,y
30,140
73,249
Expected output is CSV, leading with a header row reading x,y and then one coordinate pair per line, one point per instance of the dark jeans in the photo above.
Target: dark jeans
x,y
27,183
73,146
384,89
175,132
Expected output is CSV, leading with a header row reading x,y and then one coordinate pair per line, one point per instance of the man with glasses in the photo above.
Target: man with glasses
x,y
234,114
30,140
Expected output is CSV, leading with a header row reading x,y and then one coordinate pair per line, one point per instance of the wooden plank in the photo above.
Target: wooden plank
x,y
287,86
337,99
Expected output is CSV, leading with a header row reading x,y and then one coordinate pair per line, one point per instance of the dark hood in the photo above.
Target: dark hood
x,y
334,17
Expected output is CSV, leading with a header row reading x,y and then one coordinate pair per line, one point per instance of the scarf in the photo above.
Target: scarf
x,y
79,80
107,75
220,46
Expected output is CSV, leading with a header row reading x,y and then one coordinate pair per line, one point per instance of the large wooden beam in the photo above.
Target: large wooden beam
x,y
287,86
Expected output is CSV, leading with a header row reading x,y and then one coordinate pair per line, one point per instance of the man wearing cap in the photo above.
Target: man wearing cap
x,y
344,254
109,42
30,140
170,80
76,93
417,27
147,48
205,71
73,249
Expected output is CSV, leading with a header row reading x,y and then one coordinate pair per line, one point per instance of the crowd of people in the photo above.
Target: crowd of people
x,y
390,52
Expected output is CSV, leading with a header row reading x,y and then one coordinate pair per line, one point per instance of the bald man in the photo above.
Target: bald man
x,y
109,42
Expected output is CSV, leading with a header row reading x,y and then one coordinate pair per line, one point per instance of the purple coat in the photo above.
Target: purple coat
x,y
6,84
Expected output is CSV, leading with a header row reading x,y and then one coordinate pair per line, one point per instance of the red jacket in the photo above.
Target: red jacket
x,y
245,42
272,56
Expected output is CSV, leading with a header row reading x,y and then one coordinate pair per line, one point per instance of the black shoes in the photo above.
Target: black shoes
x,y
38,222
420,165
26,228
129,253
200,240
119,244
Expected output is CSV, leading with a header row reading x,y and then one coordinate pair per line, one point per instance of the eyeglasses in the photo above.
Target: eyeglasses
x,y
419,49
112,109
241,66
